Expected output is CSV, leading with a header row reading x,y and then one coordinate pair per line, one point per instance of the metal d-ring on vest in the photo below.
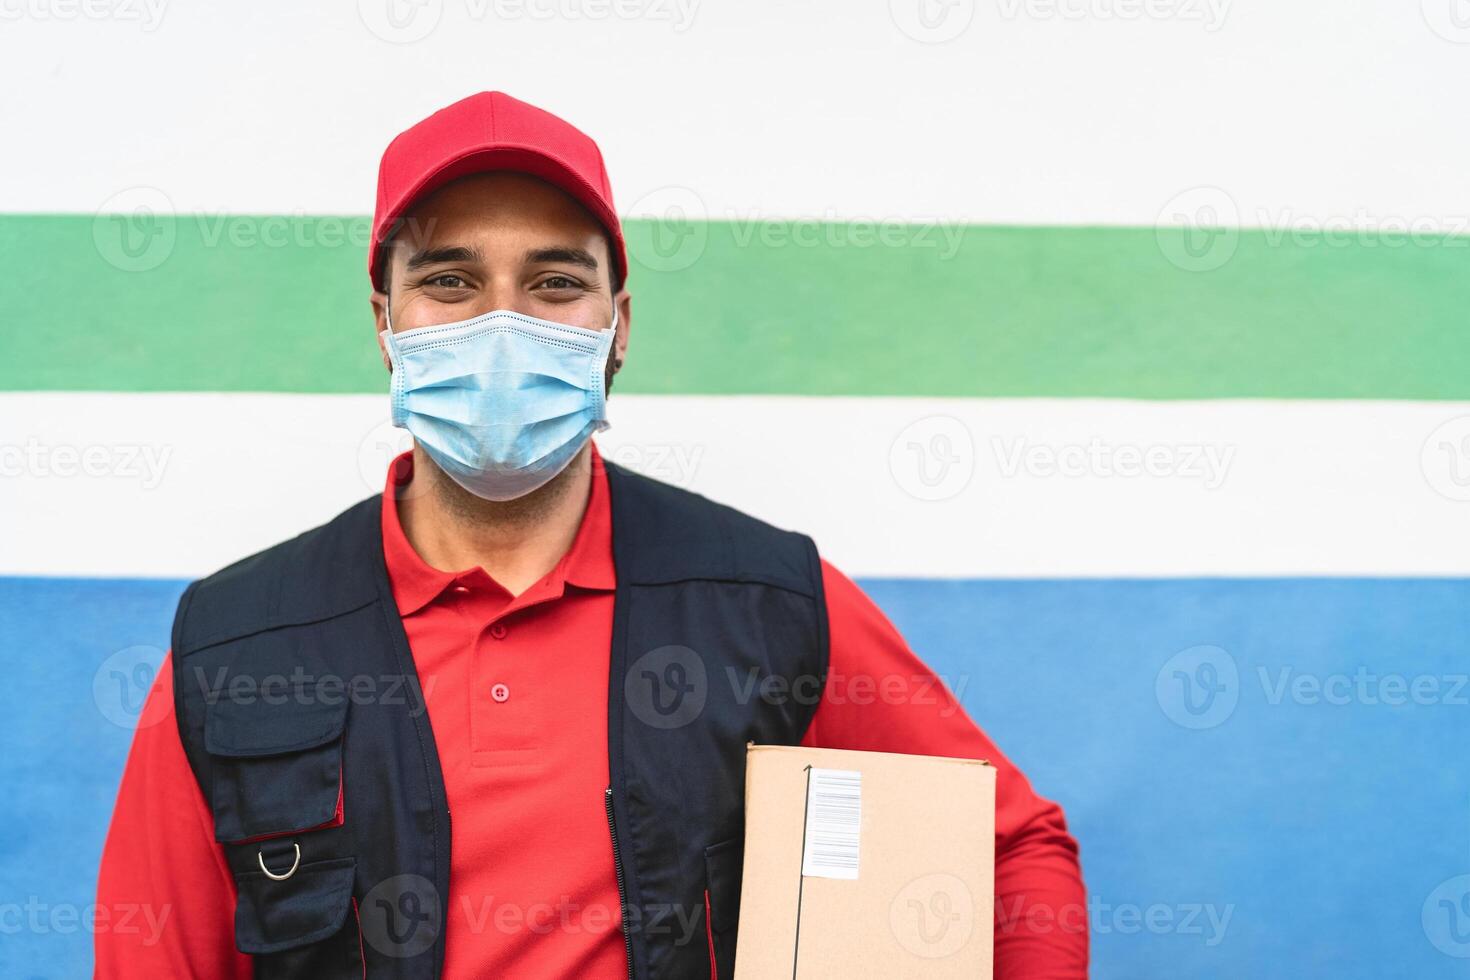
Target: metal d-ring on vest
x,y
260,859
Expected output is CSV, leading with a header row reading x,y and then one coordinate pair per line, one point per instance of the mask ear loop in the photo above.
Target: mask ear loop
x,y
396,373
599,370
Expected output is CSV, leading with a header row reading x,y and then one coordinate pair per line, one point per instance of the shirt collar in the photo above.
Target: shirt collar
x,y
588,563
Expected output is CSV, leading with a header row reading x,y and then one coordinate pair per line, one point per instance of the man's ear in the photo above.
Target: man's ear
x,y
379,302
624,302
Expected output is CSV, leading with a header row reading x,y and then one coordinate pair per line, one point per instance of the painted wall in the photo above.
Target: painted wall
x,y
1117,347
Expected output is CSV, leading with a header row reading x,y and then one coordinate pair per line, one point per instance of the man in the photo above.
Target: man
x,y
564,657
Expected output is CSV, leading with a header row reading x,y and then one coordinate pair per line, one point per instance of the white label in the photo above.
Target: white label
x,y
834,823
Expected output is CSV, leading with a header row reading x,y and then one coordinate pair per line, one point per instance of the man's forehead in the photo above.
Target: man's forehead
x,y
479,207
503,196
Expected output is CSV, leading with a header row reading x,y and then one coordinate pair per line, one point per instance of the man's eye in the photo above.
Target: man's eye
x,y
559,282
447,281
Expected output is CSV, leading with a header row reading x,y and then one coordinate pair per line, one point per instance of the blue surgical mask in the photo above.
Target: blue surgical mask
x,y
502,402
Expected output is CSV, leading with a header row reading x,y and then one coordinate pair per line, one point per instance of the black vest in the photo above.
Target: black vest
x,y
304,721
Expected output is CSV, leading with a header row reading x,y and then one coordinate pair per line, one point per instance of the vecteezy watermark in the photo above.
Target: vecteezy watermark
x,y
1210,14
1198,230
932,21
384,443
670,231
407,21
833,232
135,229
684,923
933,916
294,231
1450,19
1200,687
669,687
303,687
1205,920
932,458
927,690
1363,686
401,916
147,14
671,463
121,684
1445,459
39,917
1445,917
1363,229
1209,464
126,461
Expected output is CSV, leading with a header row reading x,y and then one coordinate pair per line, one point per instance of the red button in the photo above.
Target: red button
x,y
498,631
500,692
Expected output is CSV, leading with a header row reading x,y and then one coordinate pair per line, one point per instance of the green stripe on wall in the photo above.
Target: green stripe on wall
x,y
280,304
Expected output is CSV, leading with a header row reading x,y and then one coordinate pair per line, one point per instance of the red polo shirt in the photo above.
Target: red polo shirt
x,y
517,694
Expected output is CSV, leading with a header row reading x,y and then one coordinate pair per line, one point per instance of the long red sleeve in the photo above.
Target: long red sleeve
x,y
874,702
169,897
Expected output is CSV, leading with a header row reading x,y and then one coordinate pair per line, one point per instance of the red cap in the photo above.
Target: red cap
x,y
485,132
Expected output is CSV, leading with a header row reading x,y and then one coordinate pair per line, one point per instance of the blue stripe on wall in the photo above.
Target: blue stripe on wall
x,y
1203,782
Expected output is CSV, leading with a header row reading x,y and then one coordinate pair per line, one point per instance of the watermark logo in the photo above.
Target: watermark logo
x,y
667,687
400,916
675,229
1363,687
1210,13
135,230
1362,229
121,684
384,443
400,21
671,463
932,21
1446,917
1205,921
933,458
1450,19
123,461
1198,230
1198,687
1445,459
146,13
833,232
1206,463
933,916
145,922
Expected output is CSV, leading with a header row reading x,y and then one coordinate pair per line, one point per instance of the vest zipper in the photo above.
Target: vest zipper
x,y
612,828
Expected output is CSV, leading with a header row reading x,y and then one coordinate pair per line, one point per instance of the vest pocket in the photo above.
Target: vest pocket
x,y
722,864
277,764
304,926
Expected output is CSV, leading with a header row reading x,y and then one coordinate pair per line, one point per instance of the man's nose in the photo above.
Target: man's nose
x,y
502,293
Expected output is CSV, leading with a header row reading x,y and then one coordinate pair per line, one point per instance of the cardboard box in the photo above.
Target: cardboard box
x,y
866,864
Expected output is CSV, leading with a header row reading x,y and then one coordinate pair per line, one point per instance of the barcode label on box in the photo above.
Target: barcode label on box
x,y
834,823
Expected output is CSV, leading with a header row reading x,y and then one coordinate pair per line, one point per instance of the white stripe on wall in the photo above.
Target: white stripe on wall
x,y
179,484
1014,111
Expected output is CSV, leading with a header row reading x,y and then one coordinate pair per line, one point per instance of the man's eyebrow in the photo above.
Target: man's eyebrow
x,y
575,256
450,253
